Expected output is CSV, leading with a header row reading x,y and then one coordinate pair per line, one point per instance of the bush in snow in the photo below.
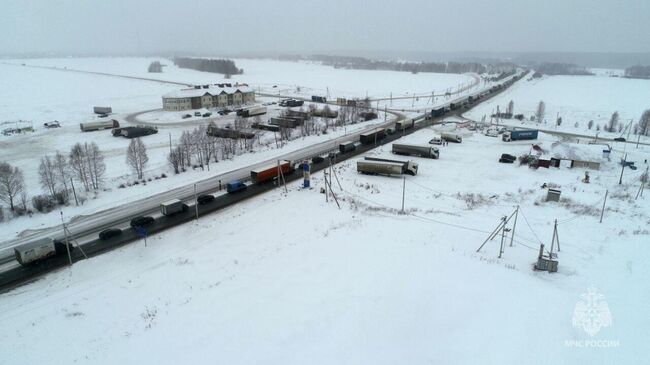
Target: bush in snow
x,y
43,203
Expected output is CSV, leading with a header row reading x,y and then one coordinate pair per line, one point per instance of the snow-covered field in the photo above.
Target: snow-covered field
x,y
576,99
289,278
41,95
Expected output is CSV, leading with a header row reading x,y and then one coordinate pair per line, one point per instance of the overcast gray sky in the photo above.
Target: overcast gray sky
x,y
217,26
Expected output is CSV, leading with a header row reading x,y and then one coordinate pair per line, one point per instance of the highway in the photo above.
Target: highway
x,y
85,228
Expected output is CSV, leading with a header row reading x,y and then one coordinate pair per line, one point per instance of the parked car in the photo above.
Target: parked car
x,y
185,116
506,160
204,199
53,124
435,140
619,139
197,114
508,157
205,115
142,221
109,233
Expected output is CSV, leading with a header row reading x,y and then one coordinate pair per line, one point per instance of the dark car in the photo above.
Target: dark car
x,y
506,160
185,116
109,233
506,156
205,199
197,114
619,139
207,114
142,221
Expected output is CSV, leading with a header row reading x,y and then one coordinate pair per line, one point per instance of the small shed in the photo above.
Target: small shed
x,y
553,195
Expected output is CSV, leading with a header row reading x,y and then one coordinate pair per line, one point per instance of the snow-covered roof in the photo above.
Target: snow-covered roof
x,y
212,90
576,152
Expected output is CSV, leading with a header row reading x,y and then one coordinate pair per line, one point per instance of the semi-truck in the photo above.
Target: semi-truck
x,y
102,110
520,135
235,186
270,172
287,122
437,112
95,126
172,207
404,124
413,150
379,166
347,147
371,137
451,137
253,111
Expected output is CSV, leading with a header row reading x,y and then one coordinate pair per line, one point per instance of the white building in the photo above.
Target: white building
x,y
208,96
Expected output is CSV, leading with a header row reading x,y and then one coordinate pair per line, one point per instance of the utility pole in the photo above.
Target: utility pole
x,y
514,226
76,202
403,192
620,180
503,235
65,233
196,204
602,211
170,143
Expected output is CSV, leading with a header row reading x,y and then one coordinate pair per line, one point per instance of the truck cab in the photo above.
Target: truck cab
x,y
235,186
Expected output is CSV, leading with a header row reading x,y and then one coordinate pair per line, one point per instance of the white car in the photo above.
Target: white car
x,y
436,140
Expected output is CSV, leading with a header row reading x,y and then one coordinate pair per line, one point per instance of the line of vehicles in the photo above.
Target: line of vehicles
x,y
42,249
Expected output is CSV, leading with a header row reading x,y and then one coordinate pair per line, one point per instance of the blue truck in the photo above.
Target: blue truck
x,y
235,186
520,135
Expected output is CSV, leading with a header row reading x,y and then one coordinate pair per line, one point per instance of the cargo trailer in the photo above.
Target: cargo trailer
x,y
408,167
256,110
413,150
370,167
451,137
172,207
347,147
95,126
270,172
102,110
371,137
520,135
404,124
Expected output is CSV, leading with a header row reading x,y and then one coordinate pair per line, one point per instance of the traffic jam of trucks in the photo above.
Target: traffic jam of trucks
x,y
37,251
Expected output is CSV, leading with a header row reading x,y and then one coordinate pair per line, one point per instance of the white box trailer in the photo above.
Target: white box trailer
x,y
375,166
253,111
172,207
35,251
451,137
413,150
102,124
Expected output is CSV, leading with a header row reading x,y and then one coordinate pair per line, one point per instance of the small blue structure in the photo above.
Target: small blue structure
x,y
305,174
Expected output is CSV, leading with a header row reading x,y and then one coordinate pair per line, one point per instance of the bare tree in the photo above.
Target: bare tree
x,y
136,156
12,184
541,112
590,124
613,122
78,165
644,123
175,159
187,147
62,171
96,165
47,175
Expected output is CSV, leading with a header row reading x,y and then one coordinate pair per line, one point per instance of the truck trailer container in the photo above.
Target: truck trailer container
x,y
383,168
253,111
269,172
519,135
451,137
286,122
404,124
102,110
437,112
413,150
35,251
371,137
135,132
318,99
408,167
172,207
95,126
347,147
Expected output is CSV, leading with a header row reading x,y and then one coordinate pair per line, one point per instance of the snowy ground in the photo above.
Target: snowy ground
x,y
41,95
289,278
577,99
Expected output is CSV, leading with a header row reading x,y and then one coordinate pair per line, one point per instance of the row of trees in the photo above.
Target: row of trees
x,y
222,66
550,68
361,63
638,72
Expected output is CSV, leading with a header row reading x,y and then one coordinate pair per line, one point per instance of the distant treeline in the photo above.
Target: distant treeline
x,y
638,72
360,63
548,68
226,67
